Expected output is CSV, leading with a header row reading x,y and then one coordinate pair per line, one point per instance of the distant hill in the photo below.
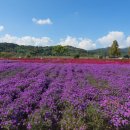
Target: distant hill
x,y
14,50
105,51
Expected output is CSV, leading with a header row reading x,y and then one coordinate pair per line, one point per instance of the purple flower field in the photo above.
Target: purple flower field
x,y
51,96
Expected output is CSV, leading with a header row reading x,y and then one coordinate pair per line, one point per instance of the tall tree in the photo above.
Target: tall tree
x,y
114,49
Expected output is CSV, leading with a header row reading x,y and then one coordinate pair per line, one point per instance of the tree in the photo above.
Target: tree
x,y
129,51
114,49
59,50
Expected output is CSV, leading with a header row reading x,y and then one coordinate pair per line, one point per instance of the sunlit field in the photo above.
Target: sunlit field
x,y
73,94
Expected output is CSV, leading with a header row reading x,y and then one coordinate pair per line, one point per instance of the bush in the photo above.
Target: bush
x,y
126,56
100,57
76,56
28,56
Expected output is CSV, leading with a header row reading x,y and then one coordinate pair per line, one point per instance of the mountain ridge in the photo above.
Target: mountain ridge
x,y
11,49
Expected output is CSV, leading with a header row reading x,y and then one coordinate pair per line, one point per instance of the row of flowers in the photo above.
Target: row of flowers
x,y
71,60
64,96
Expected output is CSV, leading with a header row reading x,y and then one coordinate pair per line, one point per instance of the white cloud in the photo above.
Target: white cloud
x,y
110,37
71,41
1,28
42,21
83,43
107,40
128,41
87,44
26,40
101,42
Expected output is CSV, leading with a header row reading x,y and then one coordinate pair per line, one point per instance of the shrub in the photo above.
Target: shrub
x,y
100,57
76,56
126,56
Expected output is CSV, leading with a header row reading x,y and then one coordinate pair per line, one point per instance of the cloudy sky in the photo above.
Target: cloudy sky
x,y
87,24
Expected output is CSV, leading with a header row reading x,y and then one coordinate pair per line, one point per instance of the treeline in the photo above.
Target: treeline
x,y
9,50
14,50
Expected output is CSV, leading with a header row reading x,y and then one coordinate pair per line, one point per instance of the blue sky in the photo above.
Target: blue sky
x,y
87,24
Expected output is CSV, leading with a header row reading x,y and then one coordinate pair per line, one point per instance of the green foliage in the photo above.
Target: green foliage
x,y
6,54
36,122
59,50
90,119
98,83
129,51
72,119
114,49
42,120
28,56
100,57
8,47
126,56
76,56
13,50
95,119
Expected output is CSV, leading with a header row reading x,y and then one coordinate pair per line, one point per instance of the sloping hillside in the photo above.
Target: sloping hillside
x,y
14,50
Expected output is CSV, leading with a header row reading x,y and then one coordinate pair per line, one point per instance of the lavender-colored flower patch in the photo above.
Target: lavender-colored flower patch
x,y
50,96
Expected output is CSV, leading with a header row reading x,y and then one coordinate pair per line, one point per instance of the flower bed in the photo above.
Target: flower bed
x,y
36,94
